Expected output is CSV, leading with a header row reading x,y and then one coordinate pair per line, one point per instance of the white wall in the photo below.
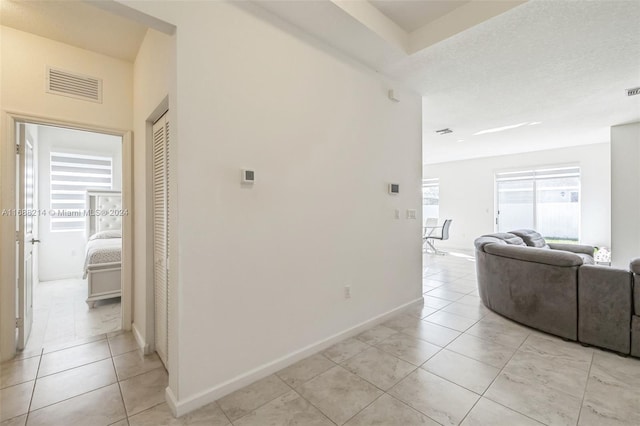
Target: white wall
x,y
262,269
25,58
625,193
467,191
23,61
61,254
154,72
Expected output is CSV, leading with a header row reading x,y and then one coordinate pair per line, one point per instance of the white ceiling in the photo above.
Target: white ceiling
x,y
481,65
76,23
565,64
411,14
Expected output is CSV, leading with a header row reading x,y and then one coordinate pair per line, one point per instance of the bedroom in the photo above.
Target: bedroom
x,y
76,187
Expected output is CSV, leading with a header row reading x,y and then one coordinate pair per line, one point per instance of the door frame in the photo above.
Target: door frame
x,y
8,259
24,297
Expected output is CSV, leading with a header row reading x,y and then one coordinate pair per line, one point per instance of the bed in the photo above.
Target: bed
x,y
103,256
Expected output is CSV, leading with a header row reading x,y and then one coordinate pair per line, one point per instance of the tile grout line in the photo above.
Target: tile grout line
x,y
311,378
339,365
73,368
586,384
313,405
115,371
369,404
291,389
261,405
386,392
496,378
33,390
223,412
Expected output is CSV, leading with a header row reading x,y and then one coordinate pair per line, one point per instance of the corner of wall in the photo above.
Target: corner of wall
x,y
146,349
172,401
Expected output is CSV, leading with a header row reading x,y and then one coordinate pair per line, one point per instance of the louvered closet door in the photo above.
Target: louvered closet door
x,y
161,235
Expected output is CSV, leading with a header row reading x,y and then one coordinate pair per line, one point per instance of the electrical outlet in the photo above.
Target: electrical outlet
x,y
347,292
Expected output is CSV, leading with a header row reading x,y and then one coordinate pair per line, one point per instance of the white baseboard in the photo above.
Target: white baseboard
x,y
140,340
172,402
181,407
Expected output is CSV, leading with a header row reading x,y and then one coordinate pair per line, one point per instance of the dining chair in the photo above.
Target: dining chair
x,y
439,233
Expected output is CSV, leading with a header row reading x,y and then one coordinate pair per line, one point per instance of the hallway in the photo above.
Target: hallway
x,y
61,315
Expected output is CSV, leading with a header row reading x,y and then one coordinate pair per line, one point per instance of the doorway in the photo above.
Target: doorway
x,y
73,269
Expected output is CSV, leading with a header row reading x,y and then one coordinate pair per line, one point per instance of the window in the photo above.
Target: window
x,y
71,176
430,198
545,199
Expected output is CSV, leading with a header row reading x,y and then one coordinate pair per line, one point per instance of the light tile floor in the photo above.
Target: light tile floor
x,y
98,380
60,314
449,362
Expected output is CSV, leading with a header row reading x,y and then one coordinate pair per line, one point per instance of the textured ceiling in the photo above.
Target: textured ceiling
x,y
411,14
564,64
76,23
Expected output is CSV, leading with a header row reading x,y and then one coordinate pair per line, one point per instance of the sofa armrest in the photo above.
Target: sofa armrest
x,y
532,254
574,248
634,266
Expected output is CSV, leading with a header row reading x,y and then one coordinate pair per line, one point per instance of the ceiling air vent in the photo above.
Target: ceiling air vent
x,y
77,86
634,91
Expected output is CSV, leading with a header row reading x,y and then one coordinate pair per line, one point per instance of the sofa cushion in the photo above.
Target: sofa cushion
x,y
635,336
507,237
573,248
636,296
499,238
635,266
532,254
531,238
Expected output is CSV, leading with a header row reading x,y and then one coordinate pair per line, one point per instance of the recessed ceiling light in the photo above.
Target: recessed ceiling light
x,y
460,140
500,129
444,131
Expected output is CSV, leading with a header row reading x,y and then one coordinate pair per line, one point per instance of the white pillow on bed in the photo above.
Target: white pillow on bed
x,y
105,234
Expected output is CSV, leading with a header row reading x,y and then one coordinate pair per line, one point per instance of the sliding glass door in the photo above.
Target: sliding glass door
x,y
546,199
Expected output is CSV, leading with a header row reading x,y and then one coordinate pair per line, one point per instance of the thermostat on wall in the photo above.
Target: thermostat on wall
x,y
394,188
248,176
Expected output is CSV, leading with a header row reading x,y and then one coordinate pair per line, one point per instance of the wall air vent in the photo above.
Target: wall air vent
x,y
77,86
444,131
634,91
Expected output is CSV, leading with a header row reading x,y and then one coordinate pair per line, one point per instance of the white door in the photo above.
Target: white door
x,y
160,235
26,233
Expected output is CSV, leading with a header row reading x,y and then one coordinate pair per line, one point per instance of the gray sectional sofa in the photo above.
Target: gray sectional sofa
x,y
556,288
635,320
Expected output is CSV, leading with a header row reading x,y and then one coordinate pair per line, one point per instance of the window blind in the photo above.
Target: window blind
x,y
71,176
430,183
546,173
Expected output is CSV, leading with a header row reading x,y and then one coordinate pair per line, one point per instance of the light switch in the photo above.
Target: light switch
x,y
397,214
412,213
